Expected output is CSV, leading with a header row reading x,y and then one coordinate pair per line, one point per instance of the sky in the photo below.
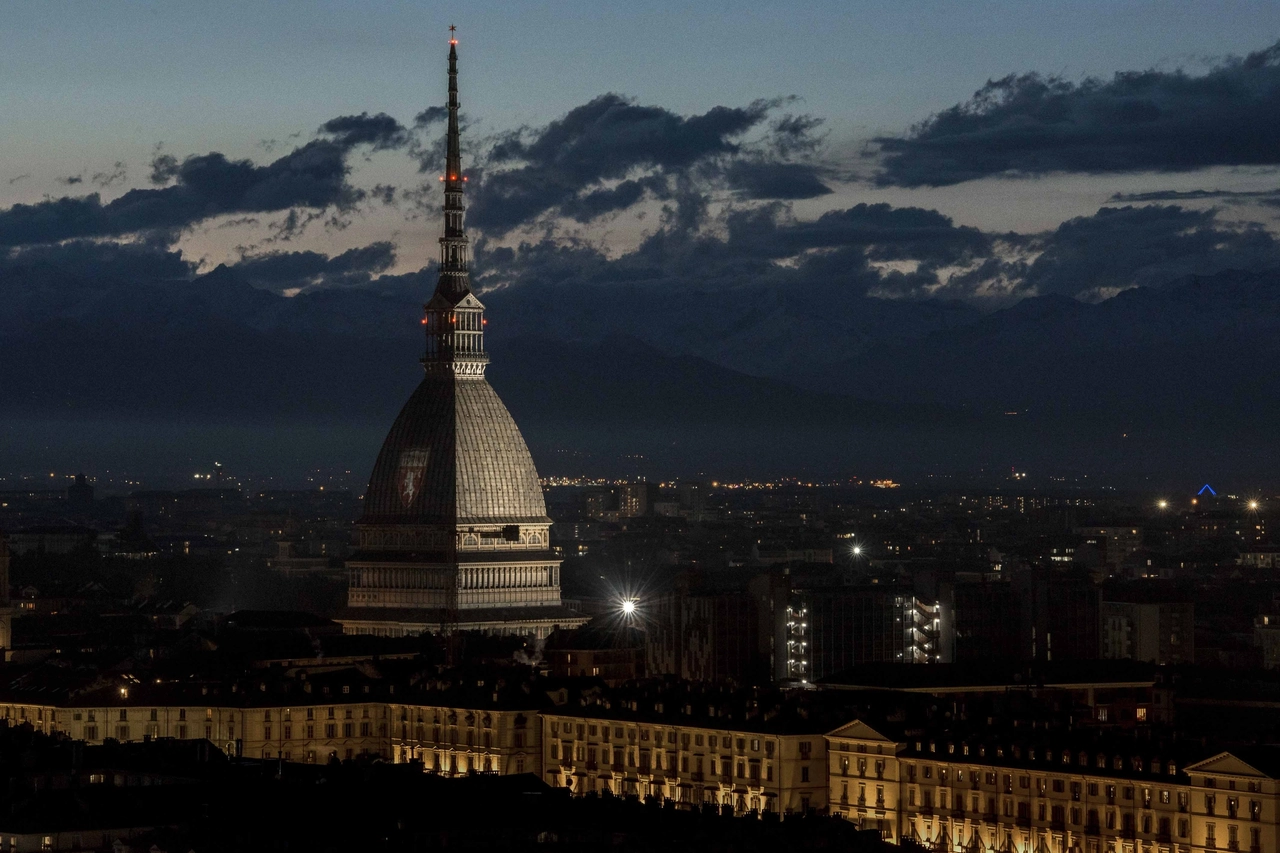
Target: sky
x,y
828,180
97,89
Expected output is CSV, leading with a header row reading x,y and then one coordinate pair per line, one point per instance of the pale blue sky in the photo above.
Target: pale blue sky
x,y
87,84
95,81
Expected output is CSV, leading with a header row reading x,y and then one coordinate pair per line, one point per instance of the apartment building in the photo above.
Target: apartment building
x,y
749,766
450,729
1028,797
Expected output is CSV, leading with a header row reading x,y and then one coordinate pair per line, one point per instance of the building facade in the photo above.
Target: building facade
x,y
691,764
962,797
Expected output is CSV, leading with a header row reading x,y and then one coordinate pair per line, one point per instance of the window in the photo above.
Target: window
x,y
266,732
804,774
805,747
330,730
1209,840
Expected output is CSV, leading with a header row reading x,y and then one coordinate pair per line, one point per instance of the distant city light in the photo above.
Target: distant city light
x,y
1253,504
856,550
1163,504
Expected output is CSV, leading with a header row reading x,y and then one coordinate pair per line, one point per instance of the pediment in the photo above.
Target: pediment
x,y
858,730
1226,764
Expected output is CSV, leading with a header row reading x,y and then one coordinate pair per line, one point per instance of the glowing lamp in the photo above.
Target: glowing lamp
x,y
628,607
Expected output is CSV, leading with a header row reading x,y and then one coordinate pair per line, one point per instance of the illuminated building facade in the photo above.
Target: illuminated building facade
x,y
691,762
1024,796
454,533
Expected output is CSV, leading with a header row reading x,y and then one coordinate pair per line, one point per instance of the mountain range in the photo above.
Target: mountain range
x,y
1154,384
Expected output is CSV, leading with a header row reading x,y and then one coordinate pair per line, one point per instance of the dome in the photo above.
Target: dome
x,y
454,456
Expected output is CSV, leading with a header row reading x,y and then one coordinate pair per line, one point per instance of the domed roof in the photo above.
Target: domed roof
x,y
454,456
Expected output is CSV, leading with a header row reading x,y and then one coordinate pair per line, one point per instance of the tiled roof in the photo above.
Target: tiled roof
x,y
467,458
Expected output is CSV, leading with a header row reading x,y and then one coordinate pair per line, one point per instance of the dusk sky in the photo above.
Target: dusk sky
x,y
858,195
91,92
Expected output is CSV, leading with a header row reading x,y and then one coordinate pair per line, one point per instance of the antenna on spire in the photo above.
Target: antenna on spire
x,y
453,39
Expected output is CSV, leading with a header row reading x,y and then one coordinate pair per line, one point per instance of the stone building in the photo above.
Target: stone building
x,y
693,760
1030,794
454,533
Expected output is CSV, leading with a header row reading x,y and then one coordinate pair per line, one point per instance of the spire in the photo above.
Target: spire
x,y
454,281
454,317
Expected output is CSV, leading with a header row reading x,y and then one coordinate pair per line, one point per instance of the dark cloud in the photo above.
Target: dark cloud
x,y
1148,120
1267,197
1092,257
313,176
755,179
71,180
17,178
380,131
883,232
796,134
90,260
105,179
303,270
430,116
569,166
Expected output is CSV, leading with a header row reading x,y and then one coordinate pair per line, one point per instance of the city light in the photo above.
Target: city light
x,y
1253,505
628,607
1163,504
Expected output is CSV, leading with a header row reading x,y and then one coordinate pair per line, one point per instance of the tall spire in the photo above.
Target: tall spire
x,y
454,280
454,317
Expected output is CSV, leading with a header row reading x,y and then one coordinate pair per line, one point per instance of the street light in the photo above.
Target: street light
x,y
628,607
